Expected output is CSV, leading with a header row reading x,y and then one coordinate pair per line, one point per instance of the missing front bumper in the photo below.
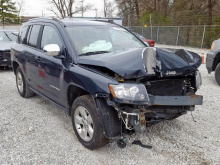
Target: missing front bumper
x,y
159,108
176,100
190,100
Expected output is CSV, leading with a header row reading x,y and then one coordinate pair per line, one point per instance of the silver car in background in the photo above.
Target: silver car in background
x,y
213,60
7,38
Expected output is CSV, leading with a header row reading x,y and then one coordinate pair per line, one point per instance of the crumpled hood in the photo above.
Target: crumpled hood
x,y
140,62
5,46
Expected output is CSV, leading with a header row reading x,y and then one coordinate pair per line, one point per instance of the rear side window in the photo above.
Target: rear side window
x,y
34,35
22,36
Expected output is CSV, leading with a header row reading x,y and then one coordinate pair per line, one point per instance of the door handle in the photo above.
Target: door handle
x,y
38,59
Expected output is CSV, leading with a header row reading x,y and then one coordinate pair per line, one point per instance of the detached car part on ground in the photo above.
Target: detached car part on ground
x,y
7,38
213,60
109,81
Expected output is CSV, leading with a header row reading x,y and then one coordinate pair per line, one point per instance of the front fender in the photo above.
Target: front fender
x,y
90,81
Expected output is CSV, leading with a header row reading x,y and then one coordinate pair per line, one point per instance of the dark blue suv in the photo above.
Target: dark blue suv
x,y
106,78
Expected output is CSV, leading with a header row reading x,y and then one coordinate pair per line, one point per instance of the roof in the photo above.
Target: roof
x,y
85,22
71,21
97,18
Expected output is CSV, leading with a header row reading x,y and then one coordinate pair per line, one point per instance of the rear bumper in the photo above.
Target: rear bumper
x,y
209,61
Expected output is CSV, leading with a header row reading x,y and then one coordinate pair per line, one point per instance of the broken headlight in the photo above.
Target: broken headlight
x,y
129,92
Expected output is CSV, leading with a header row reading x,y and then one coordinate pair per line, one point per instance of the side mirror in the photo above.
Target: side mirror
x,y
51,49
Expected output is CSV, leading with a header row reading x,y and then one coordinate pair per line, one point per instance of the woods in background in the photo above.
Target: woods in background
x,y
170,12
8,12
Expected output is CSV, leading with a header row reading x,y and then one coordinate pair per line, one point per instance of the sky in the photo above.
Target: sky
x,y
41,7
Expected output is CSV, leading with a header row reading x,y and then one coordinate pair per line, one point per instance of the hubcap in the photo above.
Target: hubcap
x,y
83,123
20,84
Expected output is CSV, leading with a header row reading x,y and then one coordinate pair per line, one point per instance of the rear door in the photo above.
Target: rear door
x,y
31,57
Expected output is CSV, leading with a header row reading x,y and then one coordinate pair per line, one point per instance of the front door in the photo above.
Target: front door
x,y
52,67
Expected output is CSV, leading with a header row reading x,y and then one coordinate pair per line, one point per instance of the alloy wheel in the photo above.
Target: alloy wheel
x,y
83,123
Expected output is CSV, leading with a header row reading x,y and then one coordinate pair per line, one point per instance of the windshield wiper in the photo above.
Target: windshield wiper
x,y
8,36
93,53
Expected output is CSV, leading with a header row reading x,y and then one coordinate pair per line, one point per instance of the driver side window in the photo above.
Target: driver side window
x,y
50,36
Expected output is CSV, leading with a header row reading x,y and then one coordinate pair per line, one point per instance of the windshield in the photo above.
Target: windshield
x,y
90,40
8,36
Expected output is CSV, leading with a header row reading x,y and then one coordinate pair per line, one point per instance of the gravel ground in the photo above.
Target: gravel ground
x,y
34,131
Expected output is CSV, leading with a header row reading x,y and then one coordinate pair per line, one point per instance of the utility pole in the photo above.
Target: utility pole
x,y
82,7
42,13
105,8
151,29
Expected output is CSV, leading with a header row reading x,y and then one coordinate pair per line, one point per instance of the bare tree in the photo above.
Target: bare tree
x,y
64,8
129,10
109,8
20,4
84,8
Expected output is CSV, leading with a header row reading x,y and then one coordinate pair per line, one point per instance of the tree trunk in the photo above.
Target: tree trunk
x,y
137,9
210,8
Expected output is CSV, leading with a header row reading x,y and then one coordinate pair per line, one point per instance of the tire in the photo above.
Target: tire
x,y
22,85
217,74
84,109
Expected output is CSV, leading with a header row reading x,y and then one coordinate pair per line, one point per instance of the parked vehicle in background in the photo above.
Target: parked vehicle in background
x,y
7,38
213,60
106,78
151,43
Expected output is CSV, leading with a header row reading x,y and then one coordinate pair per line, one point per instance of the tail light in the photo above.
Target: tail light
x,y
152,44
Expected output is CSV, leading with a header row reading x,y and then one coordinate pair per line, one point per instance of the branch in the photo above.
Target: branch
x,y
55,13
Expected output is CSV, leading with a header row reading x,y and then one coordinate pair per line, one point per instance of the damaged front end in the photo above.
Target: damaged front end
x,y
161,87
153,101
165,93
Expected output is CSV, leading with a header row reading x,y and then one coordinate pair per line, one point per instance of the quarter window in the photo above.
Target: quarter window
x,y
22,35
34,35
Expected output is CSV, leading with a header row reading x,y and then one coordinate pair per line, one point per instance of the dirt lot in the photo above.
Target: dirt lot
x,y
34,131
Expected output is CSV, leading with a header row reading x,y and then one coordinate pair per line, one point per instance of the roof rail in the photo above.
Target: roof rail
x,y
109,21
41,18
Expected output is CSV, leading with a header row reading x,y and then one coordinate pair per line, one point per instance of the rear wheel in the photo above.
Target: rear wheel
x,y
22,85
86,123
217,74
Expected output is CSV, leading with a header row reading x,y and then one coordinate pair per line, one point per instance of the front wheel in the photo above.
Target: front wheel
x,y
22,85
217,74
87,124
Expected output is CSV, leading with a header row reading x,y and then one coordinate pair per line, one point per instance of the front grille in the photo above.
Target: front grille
x,y
168,87
7,55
